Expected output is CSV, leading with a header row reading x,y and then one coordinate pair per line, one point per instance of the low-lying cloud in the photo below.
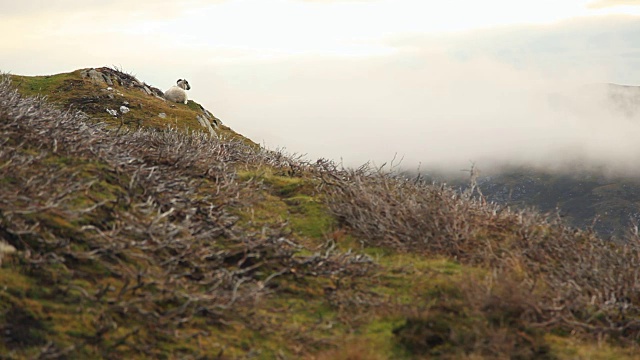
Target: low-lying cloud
x,y
121,8
431,107
515,95
610,3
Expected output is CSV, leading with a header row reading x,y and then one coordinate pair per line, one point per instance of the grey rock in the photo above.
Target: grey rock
x,y
209,116
157,92
5,249
96,76
124,109
214,120
112,112
162,115
206,124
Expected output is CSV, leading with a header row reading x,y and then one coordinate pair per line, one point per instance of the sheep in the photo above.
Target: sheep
x,y
178,93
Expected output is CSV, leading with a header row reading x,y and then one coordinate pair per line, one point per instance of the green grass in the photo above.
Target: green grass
x,y
289,199
43,85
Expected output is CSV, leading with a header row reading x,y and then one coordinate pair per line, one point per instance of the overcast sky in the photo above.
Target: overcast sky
x,y
436,82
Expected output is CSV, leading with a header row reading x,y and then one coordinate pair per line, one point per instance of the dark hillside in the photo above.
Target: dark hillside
x,y
610,204
139,236
588,194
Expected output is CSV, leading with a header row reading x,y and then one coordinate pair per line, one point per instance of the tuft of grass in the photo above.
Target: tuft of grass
x,y
309,217
292,199
567,348
351,350
50,85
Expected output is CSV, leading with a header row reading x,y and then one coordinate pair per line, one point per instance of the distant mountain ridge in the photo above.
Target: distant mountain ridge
x,y
608,204
620,99
626,98
586,196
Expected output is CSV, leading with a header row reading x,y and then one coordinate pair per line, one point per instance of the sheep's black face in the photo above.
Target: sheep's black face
x,y
184,84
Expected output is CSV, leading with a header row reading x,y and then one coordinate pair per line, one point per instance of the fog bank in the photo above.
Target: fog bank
x,y
429,108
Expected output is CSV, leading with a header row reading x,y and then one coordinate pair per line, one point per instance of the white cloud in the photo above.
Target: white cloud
x,y
440,112
599,4
358,80
150,8
445,101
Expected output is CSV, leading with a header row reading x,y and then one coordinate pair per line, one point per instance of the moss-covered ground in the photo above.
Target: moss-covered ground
x,y
135,252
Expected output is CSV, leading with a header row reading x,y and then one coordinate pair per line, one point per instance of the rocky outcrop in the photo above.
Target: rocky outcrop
x,y
112,81
110,77
209,116
208,121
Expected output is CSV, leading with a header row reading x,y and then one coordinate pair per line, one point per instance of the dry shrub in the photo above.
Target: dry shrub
x,y
476,318
584,284
150,208
397,212
509,310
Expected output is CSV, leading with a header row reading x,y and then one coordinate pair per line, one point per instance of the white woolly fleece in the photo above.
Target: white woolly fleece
x,y
177,93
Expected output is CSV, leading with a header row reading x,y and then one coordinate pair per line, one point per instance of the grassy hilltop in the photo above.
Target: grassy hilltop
x,y
141,236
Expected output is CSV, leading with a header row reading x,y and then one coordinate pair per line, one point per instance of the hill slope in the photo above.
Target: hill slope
x,y
587,193
610,204
137,236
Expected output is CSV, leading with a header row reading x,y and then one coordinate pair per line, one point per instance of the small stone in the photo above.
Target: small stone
x,y
162,115
126,103
5,249
109,88
206,124
112,112
124,109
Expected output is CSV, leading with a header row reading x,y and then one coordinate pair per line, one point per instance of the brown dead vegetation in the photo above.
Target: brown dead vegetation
x,y
542,274
141,219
